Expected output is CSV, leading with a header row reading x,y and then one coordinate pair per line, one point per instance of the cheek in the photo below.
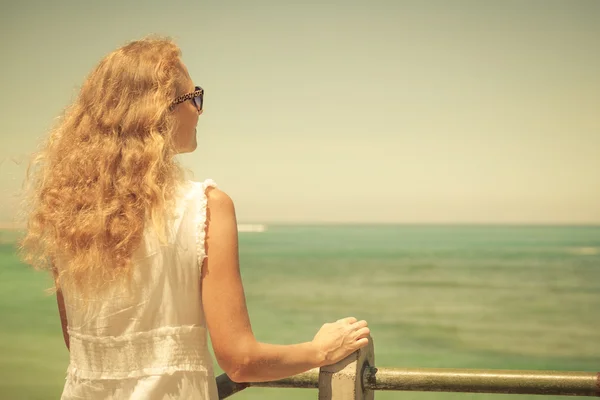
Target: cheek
x,y
193,126
182,135
190,131
188,125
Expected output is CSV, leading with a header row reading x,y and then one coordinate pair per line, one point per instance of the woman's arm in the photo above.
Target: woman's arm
x,y
61,309
240,355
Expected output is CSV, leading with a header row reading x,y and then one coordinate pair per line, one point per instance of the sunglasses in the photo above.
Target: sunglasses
x,y
196,97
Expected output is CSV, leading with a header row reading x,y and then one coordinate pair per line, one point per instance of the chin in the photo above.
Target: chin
x,y
188,149
191,148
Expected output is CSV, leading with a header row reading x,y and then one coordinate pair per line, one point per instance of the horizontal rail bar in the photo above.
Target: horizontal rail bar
x,y
484,381
446,380
306,380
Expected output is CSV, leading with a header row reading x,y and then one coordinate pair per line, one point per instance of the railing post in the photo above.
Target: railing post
x,y
344,380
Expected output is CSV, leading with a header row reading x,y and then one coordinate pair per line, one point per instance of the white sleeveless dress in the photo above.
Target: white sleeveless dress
x,y
148,339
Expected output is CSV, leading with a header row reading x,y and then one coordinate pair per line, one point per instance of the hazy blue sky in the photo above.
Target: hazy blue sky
x,y
346,111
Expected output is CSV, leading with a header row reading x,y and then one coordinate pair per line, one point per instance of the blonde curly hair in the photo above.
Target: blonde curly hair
x,y
107,168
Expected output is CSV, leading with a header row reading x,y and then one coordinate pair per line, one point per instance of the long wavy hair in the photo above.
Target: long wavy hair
x,y
107,168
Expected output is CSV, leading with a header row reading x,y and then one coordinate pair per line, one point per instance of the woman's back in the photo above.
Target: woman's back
x,y
147,337
135,310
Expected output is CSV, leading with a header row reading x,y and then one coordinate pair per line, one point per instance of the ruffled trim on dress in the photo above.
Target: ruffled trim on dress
x,y
201,220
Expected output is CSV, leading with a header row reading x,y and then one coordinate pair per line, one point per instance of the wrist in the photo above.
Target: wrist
x,y
318,356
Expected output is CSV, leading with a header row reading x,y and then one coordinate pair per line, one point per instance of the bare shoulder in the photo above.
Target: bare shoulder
x,y
218,200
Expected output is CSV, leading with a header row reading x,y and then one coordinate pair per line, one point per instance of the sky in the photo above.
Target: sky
x,y
435,112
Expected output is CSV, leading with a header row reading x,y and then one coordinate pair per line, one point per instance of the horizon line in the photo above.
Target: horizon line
x,y
12,227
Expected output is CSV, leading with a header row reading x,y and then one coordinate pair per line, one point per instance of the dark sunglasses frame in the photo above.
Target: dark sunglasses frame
x,y
197,97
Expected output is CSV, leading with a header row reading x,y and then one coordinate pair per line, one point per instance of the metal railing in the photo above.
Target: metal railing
x,y
356,378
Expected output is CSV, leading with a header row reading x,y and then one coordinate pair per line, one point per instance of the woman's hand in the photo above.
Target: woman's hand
x,y
335,341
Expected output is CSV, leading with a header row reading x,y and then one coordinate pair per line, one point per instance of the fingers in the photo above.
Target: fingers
x,y
349,320
362,333
359,324
358,329
360,343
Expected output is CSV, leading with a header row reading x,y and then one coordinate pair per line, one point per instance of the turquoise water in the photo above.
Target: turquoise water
x,y
447,296
434,296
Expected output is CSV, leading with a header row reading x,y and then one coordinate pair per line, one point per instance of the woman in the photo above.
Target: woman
x,y
145,261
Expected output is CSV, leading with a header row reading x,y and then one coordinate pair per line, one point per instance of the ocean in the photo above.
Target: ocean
x,y
506,297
